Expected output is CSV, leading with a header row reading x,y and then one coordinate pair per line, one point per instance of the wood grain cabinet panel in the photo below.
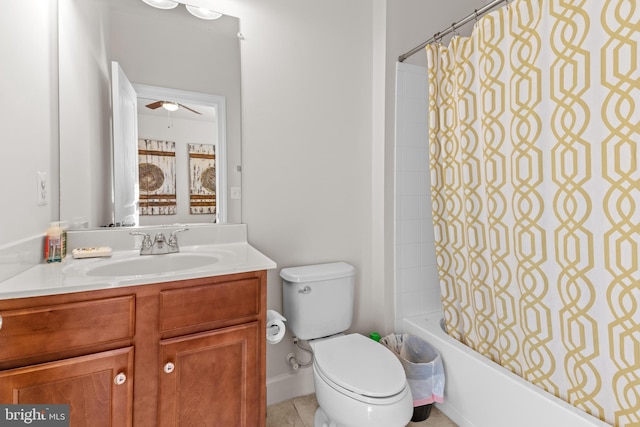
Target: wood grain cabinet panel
x,y
86,383
214,379
53,328
208,304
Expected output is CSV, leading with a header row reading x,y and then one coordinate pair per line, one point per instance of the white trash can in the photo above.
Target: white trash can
x,y
423,366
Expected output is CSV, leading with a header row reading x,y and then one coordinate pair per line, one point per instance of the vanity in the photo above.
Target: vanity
x,y
183,347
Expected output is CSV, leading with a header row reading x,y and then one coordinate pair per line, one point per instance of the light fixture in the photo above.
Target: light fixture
x,y
170,106
203,13
162,4
198,12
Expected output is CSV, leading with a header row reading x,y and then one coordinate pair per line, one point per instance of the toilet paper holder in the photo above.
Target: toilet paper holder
x,y
275,328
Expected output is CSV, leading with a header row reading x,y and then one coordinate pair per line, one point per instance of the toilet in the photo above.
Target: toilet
x,y
358,381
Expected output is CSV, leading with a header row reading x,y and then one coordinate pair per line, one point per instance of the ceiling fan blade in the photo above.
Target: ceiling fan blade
x,y
190,109
155,105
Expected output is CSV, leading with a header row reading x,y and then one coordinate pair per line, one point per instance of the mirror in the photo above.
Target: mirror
x,y
195,62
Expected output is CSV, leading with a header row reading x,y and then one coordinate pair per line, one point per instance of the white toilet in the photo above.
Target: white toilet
x,y
358,382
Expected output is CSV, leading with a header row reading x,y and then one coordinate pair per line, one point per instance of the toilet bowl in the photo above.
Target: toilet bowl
x,y
359,382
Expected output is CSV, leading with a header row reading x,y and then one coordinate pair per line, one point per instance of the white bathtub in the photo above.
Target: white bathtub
x,y
480,393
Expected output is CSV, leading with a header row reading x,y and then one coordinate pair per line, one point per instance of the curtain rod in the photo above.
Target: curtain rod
x,y
437,36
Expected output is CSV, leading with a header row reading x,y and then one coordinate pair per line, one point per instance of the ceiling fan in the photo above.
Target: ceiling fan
x,y
170,106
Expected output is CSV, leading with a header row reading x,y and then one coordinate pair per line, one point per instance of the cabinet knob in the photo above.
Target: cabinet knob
x,y
120,379
169,367
0,321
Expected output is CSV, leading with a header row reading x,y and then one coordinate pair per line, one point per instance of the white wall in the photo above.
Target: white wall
x,y
306,83
28,116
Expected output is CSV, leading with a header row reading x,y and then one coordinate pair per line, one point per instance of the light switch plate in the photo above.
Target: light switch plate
x,y
236,193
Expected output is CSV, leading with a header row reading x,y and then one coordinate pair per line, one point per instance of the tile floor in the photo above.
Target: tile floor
x,y
299,412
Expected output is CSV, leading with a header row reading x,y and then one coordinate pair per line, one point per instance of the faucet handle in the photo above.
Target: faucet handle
x,y
146,241
173,238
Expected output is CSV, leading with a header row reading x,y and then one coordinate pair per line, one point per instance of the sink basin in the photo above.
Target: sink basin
x,y
151,264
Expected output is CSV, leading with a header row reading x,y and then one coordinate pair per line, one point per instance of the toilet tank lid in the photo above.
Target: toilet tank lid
x,y
312,273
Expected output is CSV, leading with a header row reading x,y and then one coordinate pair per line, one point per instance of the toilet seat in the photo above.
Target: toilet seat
x,y
361,368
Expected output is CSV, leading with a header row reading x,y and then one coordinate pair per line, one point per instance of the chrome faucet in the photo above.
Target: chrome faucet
x,y
160,244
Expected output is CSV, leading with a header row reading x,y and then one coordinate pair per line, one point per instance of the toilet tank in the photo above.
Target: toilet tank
x,y
318,299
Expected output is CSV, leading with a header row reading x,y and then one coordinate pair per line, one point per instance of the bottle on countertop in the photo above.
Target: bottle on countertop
x,y
53,243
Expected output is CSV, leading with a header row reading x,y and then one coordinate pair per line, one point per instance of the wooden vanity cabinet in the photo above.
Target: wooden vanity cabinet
x,y
71,349
95,387
211,378
182,353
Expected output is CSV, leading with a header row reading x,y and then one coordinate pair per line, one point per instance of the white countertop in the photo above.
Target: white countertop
x,y
67,277
74,275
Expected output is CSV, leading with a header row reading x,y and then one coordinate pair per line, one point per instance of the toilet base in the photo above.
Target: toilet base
x,y
321,419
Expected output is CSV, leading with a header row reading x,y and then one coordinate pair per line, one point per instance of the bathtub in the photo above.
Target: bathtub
x,y
480,393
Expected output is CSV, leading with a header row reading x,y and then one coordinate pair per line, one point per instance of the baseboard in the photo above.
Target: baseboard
x,y
290,385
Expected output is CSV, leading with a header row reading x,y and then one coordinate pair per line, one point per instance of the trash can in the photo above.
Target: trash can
x,y
423,366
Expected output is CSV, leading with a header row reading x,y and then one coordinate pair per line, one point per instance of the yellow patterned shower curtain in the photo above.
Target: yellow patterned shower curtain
x,y
534,127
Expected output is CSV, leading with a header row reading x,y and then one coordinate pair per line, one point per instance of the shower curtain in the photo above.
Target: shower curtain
x,y
534,128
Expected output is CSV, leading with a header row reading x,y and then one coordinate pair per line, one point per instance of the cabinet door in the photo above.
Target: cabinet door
x,y
211,379
90,384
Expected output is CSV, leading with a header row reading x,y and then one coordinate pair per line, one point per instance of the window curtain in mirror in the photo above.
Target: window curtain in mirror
x,y
534,128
